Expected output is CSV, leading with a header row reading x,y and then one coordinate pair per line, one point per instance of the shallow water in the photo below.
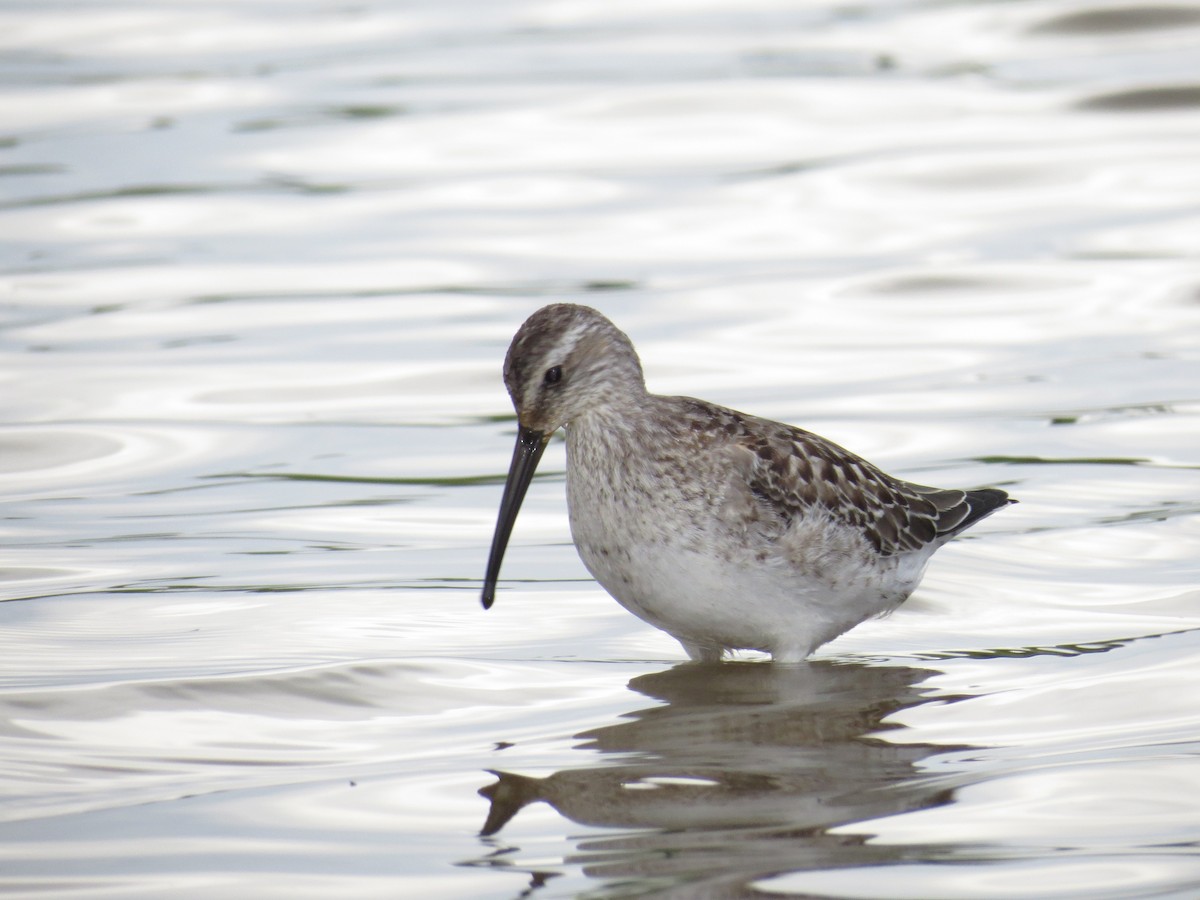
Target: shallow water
x,y
261,263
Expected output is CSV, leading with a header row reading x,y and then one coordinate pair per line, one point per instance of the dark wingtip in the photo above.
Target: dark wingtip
x,y
981,503
487,600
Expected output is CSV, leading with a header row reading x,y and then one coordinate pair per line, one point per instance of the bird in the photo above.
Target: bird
x,y
727,531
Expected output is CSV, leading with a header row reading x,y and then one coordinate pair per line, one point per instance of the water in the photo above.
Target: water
x,y
260,265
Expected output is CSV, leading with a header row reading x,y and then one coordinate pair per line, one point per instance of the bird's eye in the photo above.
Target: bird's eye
x,y
553,375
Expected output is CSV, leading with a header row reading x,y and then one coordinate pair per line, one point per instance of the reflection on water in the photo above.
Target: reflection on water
x,y
1117,19
745,771
260,266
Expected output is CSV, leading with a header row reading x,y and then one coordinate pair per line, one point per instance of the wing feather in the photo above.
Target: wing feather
x,y
797,474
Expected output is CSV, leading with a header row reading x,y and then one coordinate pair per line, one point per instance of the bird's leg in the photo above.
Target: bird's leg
x,y
702,653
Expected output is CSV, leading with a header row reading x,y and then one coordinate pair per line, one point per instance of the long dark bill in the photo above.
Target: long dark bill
x,y
526,454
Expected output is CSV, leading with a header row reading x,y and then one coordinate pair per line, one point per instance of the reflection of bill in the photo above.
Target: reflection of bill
x,y
743,773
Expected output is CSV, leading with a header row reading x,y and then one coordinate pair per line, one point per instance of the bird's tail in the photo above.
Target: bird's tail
x,y
982,503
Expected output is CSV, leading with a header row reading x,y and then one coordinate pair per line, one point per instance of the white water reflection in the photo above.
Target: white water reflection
x,y
261,266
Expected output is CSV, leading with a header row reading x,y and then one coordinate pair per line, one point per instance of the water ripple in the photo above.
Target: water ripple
x,y
261,268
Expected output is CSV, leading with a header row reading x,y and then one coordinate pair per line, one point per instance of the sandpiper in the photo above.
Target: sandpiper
x,y
727,531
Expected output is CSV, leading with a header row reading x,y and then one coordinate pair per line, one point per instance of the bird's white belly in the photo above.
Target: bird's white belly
x,y
707,601
694,597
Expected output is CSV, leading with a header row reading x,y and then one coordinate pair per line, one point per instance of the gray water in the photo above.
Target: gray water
x,y
260,265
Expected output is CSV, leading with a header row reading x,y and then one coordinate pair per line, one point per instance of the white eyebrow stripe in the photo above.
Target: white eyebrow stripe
x,y
565,347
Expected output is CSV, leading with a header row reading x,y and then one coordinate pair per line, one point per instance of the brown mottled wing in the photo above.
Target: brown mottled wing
x,y
796,474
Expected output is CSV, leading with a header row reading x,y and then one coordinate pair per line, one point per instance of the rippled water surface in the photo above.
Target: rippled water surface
x,y
260,265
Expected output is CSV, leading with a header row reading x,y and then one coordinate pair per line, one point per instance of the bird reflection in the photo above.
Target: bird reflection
x,y
741,775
